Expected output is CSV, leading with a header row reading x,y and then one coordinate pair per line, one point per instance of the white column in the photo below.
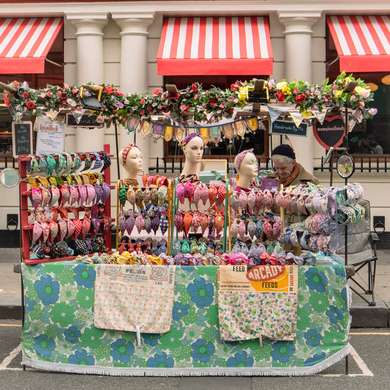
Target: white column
x,y
298,32
134,76
89,34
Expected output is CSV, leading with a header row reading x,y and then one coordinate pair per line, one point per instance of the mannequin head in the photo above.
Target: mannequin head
x,y
247,167
132,160
193,148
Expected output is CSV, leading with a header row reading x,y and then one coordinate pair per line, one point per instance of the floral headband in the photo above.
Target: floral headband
x,y
126,151
189,138
240,157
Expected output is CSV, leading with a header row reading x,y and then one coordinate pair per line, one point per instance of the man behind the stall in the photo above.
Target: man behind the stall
x,y
287,169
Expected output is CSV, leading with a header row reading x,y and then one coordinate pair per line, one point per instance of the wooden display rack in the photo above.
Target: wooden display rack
x,y
26,228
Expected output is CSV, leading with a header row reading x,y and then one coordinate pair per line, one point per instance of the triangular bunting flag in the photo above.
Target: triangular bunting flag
x,y
297,118
320,115
274,113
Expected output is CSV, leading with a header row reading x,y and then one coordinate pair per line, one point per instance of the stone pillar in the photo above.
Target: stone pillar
x,y
89,34
134,72
298,64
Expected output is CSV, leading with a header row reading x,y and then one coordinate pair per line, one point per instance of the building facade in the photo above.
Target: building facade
x,y
117,42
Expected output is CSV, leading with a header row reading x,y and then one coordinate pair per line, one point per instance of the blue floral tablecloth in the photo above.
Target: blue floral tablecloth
x,y
59,335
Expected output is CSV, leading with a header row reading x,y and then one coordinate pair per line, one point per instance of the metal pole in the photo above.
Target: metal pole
x,y
117,149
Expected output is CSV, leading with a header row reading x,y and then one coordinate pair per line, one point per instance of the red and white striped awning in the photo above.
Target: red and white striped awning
x,y
228,45
25,43
362,42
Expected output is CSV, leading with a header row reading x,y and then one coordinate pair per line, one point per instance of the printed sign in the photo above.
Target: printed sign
x,y
331,132
51,136
259,278
85,121
22,138
287,127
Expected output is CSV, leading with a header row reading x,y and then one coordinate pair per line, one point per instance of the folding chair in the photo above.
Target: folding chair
x,y
361,254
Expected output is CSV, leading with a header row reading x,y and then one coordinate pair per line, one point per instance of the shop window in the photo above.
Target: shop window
x,y
224,149
54,75
371,136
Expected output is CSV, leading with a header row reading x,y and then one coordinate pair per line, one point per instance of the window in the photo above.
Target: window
x,y
54,74
225,149
371,136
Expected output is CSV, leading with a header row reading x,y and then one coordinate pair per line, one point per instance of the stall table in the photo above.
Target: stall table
x,y
59,332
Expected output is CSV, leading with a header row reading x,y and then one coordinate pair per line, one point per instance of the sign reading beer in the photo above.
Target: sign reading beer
x,y
331,132
259,278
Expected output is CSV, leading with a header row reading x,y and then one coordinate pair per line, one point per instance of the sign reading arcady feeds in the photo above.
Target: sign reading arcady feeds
x,y
259,278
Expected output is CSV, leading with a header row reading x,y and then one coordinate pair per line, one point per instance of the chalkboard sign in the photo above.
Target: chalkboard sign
x,y
85,121
22,139
287,127
331,132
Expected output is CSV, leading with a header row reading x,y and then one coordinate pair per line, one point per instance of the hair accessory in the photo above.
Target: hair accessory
x,y
106,192
240,157
125,152
82,194
179,223
139,223
91,195
74,195
180,192
61,164
76,162
45,231
241,230
99,193
163,225
37,232
219,221
55,196
46,196
63,229
189,190
187,220
204,222
242,200
36,197
78,226
96,225
86,227
251,200
53,230
188,138
65,194
71,228
51,164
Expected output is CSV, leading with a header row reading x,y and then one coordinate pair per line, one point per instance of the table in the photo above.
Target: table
x,y
58,331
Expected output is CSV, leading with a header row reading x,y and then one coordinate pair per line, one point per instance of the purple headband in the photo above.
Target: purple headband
x,y
188,138
240,157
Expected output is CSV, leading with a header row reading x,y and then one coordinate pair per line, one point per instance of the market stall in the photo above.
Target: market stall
x,y
212,274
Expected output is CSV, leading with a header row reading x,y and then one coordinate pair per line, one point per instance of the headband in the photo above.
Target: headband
x,y
189,138
126,151
240,157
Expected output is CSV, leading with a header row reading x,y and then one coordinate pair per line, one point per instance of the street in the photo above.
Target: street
x,y
368,368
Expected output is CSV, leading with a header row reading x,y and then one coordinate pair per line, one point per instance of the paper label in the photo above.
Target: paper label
x,y
259,278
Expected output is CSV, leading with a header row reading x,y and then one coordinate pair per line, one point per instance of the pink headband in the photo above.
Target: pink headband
x,y
240,157
126,151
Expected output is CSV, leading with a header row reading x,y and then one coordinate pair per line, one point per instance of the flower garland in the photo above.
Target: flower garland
x,y
194,102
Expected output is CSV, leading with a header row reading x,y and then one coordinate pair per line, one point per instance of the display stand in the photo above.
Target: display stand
x,y
26,228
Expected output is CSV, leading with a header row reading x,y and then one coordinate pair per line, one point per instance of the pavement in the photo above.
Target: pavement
x,y
368,369
363,315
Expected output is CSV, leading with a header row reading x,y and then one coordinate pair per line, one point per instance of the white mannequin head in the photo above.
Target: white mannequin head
x,y
193,148
247,167
132,160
